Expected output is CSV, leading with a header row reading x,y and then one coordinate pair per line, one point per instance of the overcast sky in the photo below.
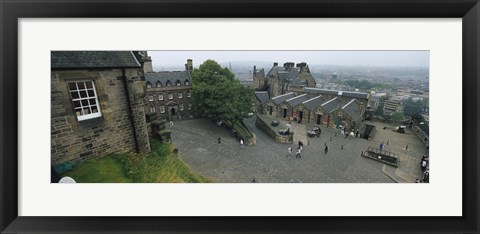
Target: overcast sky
x,y
341,58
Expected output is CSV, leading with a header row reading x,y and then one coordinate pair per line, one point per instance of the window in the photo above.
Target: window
x,y
178,83
160,97
152,109
180,95
187,83
189,106
84,98
189,94
162,109
169,84
150,98
181,107
159,84
170,96
149,86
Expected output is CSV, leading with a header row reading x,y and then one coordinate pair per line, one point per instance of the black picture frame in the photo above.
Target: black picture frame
x,y
11,11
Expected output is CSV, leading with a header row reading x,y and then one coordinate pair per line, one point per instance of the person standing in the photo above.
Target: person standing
x,y
289,155
241,143
219,140
382,146
171,124
356,135
326,149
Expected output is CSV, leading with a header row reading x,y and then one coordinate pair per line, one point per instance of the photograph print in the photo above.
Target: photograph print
x,y
240,116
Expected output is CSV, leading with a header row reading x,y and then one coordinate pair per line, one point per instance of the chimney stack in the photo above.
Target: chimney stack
x,y
288,65
189,66
275,64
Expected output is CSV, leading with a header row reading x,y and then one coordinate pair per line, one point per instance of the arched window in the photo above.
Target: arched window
x,y
178,83
159,84
187,83
149,86
169,83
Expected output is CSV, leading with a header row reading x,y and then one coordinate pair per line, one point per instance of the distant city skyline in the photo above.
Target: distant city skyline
x,y
336,58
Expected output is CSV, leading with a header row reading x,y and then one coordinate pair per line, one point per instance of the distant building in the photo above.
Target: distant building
x,y
169,93
392,105
282,80
96,105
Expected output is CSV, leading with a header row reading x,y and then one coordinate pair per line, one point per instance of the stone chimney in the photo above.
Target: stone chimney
x,y
189,66
288,65
275,64
303,67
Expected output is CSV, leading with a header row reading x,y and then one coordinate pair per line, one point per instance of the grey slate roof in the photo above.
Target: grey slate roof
x,y
353,110
93,59
331,105
164,76
336,92
262,97
279,99
315,102
297,100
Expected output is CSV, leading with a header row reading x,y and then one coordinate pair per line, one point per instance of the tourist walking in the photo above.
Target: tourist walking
x,y
382,146
241,143
299,153
326,149
289,155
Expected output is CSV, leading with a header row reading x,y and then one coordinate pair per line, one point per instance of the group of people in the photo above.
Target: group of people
x,y
299,150
424,166
351,133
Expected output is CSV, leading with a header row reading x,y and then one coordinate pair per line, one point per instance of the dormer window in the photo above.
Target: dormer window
x,y
159,84
149,85
178,83
169,84
187,83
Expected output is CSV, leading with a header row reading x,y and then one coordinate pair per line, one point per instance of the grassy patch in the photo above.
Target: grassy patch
x,y
158,166
100,170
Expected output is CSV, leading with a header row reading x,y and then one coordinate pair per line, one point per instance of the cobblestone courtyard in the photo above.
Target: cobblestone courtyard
x,y
267,161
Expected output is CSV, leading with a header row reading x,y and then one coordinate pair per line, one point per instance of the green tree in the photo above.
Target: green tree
x,y
217,94
412,107
397,117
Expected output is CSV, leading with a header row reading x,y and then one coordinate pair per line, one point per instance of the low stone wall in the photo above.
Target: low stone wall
x,y
421,135
267,129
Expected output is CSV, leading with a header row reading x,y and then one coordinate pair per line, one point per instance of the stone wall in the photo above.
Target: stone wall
x,y
265,127
73,140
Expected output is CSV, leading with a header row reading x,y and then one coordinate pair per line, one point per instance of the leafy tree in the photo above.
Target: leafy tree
x,y
217,94
397,117
412,107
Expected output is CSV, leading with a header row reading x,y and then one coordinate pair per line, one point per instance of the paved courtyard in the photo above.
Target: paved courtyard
x,y
267,161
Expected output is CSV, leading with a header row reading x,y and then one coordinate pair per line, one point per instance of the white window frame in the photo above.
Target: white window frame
x,y
97,104
178,83
162,109
160,97
170,96
150,98
180,95
149,85
189,94
152,109
181,106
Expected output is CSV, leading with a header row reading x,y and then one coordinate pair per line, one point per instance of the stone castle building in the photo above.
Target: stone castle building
x,y
329,108
280,80
168,93
97,104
